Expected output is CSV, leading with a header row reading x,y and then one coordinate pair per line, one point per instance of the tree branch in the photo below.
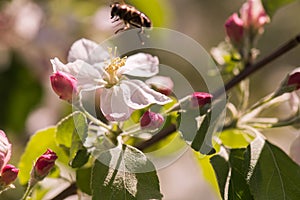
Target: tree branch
x,y
258,65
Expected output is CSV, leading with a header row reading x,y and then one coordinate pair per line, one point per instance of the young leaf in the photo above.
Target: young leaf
x,y
36,146
238,186
131,177
275,175
199,140
271,6
70,133
209,125
221,168
83,178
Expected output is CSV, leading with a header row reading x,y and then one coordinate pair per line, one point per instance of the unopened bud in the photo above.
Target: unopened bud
x,y
161,84
254,16
199,99
151,120
290,83
9,174
234,29
294,80
64,85
43,165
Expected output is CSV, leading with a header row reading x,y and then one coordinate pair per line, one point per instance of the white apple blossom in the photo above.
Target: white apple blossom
x,y
94,68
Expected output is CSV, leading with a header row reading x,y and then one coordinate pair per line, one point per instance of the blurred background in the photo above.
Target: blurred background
x,y
33,32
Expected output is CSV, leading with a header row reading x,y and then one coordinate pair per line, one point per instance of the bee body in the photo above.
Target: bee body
x,y
130,16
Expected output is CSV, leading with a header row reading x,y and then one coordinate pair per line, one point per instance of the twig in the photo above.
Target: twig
x,y
258,65
157,137
72,189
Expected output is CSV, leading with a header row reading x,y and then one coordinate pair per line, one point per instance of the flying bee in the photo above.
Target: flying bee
x,y
130,17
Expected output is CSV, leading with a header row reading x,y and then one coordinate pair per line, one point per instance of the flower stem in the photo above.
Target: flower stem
x,y
258,65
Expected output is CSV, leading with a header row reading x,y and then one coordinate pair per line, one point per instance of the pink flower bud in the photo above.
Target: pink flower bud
x,y
294,80
64,85
5,149
161,84
9,173
151,120
254,15
199,99
43,165
234,29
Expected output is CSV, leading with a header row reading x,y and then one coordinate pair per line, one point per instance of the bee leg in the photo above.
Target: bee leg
x,y
115,20
127,26
142,31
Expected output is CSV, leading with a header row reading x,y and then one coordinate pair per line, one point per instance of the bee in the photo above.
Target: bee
x,y
130,17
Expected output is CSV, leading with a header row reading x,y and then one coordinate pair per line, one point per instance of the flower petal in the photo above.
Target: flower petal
x,y
141,65
138,95
113,105
85,73
87,51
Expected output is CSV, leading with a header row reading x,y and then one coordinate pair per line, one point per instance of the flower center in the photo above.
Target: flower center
x,y
115,64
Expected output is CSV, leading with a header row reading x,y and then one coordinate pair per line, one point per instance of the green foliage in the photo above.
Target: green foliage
x,y
271,6
262,171
234,138
36,146
70,132
221,168
83,178
208,171
128,179
275,175
238,186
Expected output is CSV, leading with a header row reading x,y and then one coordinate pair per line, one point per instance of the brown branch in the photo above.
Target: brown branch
x,y
258,65
157,137
72,189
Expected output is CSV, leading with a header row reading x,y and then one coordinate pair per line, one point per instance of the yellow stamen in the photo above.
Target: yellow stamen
x,y
115,64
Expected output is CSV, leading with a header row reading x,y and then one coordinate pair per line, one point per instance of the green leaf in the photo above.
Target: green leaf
x,y
238,186
203,140
81,157
128,179
207,170
36,146
221,168
271,6
275,175
234,138
69,135
83,178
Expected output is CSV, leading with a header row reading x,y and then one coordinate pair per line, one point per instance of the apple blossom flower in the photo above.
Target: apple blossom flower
x,y
43,165
161,84
199,99
9,173
151,120
64,85
234,27
254,16
94,68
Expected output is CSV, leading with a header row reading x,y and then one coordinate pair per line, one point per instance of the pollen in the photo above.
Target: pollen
x,y
115,64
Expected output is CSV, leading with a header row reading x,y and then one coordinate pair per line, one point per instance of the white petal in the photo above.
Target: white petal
x,y
82,71
87,51
160,82
138,95
113,105
141,65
